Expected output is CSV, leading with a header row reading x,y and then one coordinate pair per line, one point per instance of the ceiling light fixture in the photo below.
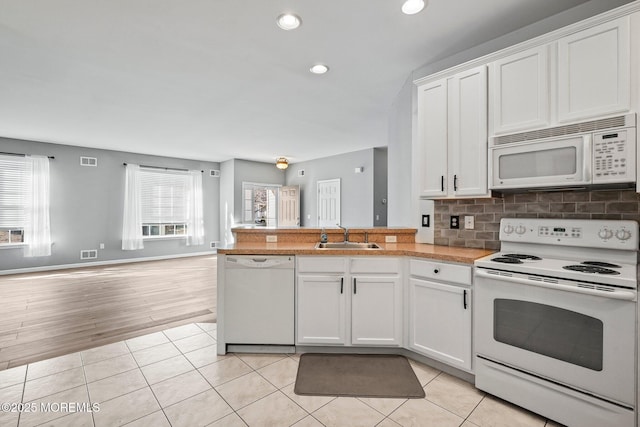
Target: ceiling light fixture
x,y
282,163
411,7
288,21
319,69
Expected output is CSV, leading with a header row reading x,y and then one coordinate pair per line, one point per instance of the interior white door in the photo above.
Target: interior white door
x,y
289,206
328,202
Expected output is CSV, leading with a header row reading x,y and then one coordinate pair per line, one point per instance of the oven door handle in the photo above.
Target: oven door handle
x,y
619,294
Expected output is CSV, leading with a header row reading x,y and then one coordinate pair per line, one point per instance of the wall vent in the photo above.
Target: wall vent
x,y
576,128
89,254
214,173
301,172
88,161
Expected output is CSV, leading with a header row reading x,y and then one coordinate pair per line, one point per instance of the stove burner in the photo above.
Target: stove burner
x,y
600,264
523,256
507,260
590,269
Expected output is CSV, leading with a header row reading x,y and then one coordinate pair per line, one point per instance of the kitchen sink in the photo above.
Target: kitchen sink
x,y
346,245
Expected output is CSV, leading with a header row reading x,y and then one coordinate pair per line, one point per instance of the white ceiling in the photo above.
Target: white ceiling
x,y
217,79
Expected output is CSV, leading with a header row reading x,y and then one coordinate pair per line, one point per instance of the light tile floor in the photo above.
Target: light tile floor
x,y
174,378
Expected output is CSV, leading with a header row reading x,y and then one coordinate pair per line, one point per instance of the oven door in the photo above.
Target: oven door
x,y
559,162
581,340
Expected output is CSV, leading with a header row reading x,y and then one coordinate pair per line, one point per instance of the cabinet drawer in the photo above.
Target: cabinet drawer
x,y
321,264
375,264
441,271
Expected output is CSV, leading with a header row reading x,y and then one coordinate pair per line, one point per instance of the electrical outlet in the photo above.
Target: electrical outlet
x,y
454,222
390,239
469,223
101,245
272,239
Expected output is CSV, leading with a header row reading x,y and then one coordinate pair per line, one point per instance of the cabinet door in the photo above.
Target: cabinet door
x,y
593,71
431,144
440,322
321,309
376,310
519,91
468,133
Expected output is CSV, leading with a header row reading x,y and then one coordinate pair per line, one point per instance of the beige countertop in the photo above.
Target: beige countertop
x,y
316,230
420,250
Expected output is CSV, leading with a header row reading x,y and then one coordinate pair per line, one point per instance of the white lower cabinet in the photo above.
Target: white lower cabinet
x,y
321,310
440,312
359,301
376,310
349,301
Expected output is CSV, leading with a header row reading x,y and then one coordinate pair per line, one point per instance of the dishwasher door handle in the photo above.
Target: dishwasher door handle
x,y
259,262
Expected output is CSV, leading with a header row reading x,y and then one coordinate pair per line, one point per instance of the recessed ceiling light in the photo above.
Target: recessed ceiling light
x,y
288,21
319,69
411,7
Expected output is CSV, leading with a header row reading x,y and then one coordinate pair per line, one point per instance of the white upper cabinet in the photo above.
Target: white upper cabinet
x,y
468,133
431,147
519,86
593,71
580,76
450,149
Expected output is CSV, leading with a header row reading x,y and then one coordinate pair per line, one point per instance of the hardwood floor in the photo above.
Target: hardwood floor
x,y
48,314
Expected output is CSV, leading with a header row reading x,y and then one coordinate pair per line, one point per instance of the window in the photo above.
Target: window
x,y
24,203
164,203
161,203
259,203
13,192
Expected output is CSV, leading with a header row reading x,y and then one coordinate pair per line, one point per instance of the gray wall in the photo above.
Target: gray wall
x,y
400,130
227,202
232,174
87,206
399,163
380,160
356,189
249,171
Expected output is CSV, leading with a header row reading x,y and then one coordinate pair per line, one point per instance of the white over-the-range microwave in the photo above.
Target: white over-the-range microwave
x,y
595,154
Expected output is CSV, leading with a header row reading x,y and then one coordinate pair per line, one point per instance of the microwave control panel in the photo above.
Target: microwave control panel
x,y
613,156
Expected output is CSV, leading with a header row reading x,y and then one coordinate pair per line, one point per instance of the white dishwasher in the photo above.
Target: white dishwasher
x,y
259,300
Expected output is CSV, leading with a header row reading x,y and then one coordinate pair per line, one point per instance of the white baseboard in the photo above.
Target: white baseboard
x,y
101,263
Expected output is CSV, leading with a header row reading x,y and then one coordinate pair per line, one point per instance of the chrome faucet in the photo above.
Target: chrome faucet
x,y
346,232
323,236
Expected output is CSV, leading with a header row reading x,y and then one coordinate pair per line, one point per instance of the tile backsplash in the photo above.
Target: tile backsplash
x,y
609,204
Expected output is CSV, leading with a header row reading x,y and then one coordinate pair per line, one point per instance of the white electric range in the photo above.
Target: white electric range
x,y
555,319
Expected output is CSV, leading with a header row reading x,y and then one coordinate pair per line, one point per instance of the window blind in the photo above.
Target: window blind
x,y
14,182
164,196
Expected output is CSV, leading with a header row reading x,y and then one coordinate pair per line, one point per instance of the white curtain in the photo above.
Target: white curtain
x,y
195,218
37,230
132,219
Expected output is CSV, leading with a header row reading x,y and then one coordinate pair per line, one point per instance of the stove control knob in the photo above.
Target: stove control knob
x,y
605,233
623,234
520,229
508,229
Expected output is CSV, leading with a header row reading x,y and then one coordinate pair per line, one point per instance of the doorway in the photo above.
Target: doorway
x,y
328,202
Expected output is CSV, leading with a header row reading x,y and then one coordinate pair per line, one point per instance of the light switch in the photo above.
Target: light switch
x,y
469,222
